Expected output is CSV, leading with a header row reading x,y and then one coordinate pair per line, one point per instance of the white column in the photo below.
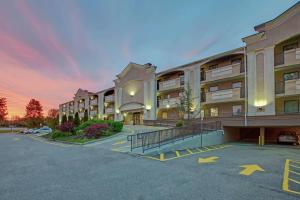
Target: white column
x,y
251,63
146,99
100,105
196,92
153,99
269,81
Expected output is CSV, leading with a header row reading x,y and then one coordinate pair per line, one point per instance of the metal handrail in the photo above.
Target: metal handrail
x,y
153,139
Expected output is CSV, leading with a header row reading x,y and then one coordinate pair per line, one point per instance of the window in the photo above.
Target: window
x,y
237,85
290,46
214,112
236,60
290,76
213,67
291,106
213,88
237,110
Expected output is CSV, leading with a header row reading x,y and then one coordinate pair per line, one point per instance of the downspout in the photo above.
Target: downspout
x,y
246,87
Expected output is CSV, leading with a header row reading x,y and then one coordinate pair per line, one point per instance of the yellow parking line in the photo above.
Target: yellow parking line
x,y
188,150
298,182
286,179
161,157
294,172
295,166
177,153
119,142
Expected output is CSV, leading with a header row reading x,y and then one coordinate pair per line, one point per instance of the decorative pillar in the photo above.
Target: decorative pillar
x,y
100,105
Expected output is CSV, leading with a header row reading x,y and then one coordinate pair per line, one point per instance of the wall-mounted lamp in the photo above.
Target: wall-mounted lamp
x,y
131,93
148,107
117,111
125,114
168,106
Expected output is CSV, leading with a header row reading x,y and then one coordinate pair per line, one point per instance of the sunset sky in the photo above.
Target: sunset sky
x,y
50,48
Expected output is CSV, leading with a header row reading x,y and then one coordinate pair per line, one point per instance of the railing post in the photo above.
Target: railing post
x,y
159,139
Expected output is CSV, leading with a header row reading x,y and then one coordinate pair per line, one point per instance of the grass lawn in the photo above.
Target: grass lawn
x,y
8,131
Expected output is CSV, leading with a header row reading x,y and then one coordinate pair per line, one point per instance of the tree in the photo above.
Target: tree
x,y
52,118
3,110
186,107
86,116
76,120
34,113
64,119
70,118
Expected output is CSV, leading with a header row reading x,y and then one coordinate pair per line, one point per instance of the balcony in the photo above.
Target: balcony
x,y
228,95
109,111
169,103
109,98
228,71
81,106
289,57
171,84
93,113
94,102
289,87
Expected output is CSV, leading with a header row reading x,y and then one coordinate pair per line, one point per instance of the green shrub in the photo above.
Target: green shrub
x,y
179,123
57,134
115,126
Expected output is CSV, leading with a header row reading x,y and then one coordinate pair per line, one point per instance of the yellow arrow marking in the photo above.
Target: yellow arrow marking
x,y
120,142
250,169
208,159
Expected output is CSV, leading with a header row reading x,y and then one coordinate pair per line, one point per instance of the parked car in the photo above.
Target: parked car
x,y
44,129
288,137
29,131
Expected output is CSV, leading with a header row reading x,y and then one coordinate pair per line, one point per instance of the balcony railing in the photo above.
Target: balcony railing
x,y
234,94
289,87
171,84
169,103
289,57
94,102
93,113
109,98
109,111
224,72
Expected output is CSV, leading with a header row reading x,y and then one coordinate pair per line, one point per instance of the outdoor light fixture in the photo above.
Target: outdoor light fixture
x,y
148,107
117,111
125,114
105,104
132,93
168,106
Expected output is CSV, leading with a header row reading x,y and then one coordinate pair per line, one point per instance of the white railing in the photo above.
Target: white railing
x,y
171,84
94,102
292,87
109,98
169,103
224,72
224,95
292,56
109,110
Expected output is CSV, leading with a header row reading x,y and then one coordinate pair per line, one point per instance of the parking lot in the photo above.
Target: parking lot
x,y
34,169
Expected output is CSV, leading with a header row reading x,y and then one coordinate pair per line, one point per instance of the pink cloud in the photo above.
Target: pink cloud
x,y
47,36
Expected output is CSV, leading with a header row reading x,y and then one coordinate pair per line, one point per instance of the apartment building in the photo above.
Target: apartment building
x,y
253,87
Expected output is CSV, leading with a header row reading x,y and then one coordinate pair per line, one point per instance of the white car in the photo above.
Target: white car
x,y
44,129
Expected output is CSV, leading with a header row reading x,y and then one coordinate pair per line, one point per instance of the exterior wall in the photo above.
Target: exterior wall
x,y
135,90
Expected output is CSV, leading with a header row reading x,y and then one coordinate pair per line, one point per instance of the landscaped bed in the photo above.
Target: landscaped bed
x,y
88,131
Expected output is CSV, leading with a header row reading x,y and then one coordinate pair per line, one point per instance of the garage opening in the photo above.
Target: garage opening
x,y
272,135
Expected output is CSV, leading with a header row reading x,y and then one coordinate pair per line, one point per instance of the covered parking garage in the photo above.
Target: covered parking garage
x,y
261,130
